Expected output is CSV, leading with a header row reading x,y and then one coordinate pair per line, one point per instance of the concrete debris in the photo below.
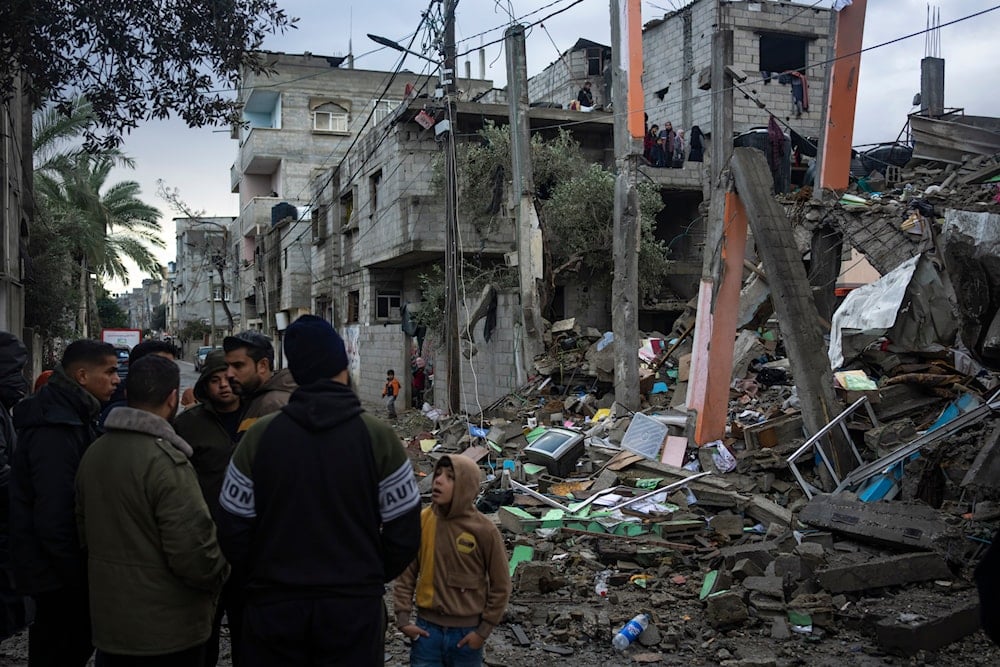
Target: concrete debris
x,y
735,558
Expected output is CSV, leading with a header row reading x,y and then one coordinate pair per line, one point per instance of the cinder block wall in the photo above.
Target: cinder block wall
x,y
492,372
675,54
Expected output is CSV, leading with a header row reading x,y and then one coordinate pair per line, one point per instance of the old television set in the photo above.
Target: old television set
x,y
558,449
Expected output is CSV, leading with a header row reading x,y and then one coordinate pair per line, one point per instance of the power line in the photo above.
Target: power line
x,y
530,25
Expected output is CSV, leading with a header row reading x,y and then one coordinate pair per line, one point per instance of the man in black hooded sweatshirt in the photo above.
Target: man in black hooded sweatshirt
x,y
320,508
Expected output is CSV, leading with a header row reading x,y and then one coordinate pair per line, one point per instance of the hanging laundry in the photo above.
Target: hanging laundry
x,y
800,92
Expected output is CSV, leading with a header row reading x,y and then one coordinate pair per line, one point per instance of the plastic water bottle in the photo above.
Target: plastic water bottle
x,y
627,634
601,583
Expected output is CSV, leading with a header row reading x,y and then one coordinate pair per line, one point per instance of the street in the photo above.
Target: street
x,y
188,375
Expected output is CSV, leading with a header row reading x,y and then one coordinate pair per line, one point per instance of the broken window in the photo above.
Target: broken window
x,y
353,307
319,223
595,60
347,221
374,182
324,308
387,304
782,53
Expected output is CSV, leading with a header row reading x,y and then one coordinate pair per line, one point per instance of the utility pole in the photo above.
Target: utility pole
x,y
530,257
626,93
211,300
451,253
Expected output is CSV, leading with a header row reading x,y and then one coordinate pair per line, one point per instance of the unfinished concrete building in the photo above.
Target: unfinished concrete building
x,y
380,225
558,84
300,119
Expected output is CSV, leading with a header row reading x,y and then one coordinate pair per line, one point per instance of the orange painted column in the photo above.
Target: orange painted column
x,y
715,331
636,97
842,97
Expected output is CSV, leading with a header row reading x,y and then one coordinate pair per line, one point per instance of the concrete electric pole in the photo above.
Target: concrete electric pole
x,y
628,105
530,257
451,254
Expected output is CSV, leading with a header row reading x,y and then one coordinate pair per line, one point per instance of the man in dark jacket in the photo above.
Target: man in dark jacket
x,y
13,387
210,428
154,564
163,348
251,375
320,506
54,428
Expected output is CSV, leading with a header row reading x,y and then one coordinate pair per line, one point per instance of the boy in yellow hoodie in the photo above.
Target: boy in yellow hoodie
x,y
460,576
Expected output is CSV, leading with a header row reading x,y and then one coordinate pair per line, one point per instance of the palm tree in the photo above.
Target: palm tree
x,y
107,223
104,224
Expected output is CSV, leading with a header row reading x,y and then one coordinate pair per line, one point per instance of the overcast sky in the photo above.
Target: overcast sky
x,y
197,161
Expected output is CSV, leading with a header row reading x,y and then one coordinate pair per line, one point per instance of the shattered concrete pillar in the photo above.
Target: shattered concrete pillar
x,y
793,301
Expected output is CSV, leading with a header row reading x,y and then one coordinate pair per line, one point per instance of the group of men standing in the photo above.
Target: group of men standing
x,y
127,539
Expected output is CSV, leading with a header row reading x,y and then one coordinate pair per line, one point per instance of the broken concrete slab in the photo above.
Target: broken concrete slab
x,y
780,629
770,586
768,512
882,572
911,525
788,565
537,578
773,432
746,568
730,525
985,469
760,553
906,635
726,610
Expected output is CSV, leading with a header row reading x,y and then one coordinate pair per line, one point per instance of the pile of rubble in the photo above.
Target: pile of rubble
x,y
767,547
734,554
755,549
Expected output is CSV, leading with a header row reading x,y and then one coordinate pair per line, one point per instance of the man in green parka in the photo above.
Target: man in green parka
x,y
154,566
210,427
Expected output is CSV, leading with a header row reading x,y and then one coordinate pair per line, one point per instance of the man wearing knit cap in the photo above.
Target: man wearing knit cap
x,y
320,508
210,427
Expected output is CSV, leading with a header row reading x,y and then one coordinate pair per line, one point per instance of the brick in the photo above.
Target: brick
x,y
890,571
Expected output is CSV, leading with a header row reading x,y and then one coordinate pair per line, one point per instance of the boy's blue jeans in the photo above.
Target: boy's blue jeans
x,y
441,648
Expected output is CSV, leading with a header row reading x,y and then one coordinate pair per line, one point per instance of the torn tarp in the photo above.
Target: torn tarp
x,y
913,306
